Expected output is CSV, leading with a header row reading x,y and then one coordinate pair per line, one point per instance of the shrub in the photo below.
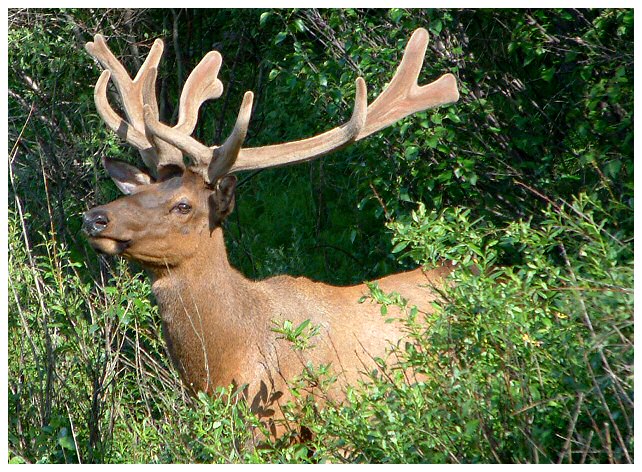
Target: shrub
x,y
523,363
528,359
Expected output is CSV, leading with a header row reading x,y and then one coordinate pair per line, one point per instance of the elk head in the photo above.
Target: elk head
x,y
171,206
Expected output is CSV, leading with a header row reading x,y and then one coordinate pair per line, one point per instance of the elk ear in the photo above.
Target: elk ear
x,y
222,200
128,178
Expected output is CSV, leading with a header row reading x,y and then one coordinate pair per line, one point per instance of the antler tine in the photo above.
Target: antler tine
x,y
166,155
111,118
133,94
201,85
101,52
403,96
129,90
311,148
227,153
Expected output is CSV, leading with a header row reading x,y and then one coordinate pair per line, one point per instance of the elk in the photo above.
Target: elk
x,y
218,324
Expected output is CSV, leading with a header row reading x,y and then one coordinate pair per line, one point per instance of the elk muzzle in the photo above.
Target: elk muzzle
x,y
94,222
98,227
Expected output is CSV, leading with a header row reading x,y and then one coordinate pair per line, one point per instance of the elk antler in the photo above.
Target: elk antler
x,y
223,159
402,97
201,85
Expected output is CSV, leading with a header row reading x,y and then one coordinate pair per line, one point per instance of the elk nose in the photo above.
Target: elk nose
x,y
95,221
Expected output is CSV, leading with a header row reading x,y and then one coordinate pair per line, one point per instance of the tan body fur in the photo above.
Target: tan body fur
x,y
219,329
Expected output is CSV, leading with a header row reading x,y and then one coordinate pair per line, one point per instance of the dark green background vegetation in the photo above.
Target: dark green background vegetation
x,y
530,173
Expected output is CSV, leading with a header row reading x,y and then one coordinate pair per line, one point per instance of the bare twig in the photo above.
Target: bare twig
x,y
566,449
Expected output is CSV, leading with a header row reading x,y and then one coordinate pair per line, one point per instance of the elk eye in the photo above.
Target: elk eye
x,y
183,207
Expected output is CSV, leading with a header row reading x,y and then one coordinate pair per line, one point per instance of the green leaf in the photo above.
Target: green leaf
x,y
411,153
548,74
471,427
280,37
612,168
453,117
395,14
66,442
264,17
299,25
301,327
435,27
472,178
17,460
400,246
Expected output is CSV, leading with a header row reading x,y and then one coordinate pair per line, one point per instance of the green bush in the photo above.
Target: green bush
x,y
525,363
526,184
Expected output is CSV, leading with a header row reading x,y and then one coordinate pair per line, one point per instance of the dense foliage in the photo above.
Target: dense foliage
x,y
526,183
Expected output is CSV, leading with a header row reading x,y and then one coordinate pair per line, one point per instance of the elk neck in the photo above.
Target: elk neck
x,y
203,285
209,314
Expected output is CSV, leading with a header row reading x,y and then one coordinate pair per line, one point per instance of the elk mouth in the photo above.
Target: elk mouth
x,y
109,246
